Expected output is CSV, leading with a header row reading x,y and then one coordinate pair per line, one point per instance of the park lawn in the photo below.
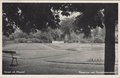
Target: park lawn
x,y
64,58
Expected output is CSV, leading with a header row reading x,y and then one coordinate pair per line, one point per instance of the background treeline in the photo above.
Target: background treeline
x,y
97,36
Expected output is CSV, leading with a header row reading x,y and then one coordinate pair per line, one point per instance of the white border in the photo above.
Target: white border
x,y
57,76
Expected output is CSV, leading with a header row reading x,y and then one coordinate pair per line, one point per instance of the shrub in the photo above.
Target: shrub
x,y
34,40
98,40
41,36
74,37
46,37
82,41
31,35
85,41
20,40
4,39
18,34
37,34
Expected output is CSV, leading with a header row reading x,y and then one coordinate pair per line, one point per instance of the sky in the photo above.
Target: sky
x,y
73,15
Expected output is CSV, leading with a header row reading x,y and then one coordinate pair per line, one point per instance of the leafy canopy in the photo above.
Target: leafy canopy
x,y
32,16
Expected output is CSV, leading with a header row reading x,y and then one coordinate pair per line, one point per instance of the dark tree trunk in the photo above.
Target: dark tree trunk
x,y
110,49
109,66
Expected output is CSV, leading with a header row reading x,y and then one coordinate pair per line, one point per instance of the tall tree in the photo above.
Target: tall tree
x,y
67,27
30,16
111,15
92,17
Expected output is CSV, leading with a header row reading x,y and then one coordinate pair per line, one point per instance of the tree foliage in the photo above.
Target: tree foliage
x,y
30,16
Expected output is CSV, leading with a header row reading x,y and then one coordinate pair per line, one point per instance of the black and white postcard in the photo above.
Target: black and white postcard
x,y
60,38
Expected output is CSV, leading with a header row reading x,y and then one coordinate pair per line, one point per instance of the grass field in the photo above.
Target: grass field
x,y
48,58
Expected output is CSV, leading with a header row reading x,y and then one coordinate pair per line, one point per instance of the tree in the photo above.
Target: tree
x,y
90,12
111,15
7,25
67,27
30,16
92,17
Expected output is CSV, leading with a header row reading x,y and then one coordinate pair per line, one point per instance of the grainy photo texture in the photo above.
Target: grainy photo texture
x,y
60,38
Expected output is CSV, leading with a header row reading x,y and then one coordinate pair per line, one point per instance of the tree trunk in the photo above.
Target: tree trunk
x,y
109,67
109,50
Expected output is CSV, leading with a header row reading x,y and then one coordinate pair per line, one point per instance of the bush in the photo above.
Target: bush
x,y
20,40
37,34
74,37
85,41
4,39
34,40
45,37
42,37
98,40
18,34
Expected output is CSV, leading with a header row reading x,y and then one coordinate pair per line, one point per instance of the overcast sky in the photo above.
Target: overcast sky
x,y
73,15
